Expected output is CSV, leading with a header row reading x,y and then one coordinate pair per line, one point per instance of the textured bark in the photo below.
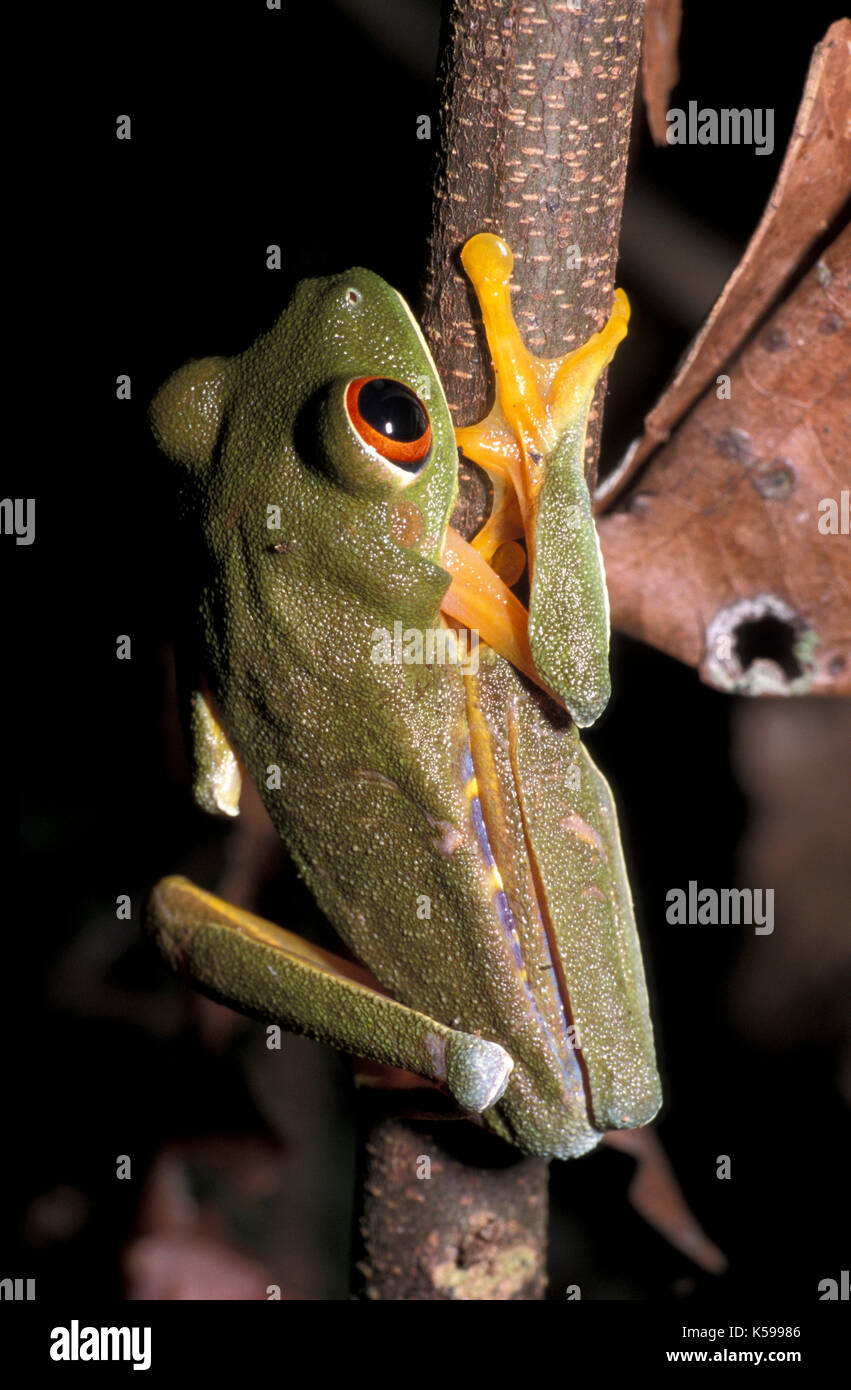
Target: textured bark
x,y
536,102
450,1213
535,117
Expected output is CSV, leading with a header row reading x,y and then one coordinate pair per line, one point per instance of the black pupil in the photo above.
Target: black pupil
x,y
393,410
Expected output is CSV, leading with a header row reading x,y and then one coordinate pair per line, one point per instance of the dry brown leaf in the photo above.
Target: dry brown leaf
x,y
718,557
813,183
659,69
657,1196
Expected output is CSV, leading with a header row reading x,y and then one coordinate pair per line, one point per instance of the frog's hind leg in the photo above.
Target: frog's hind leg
x,y
272,974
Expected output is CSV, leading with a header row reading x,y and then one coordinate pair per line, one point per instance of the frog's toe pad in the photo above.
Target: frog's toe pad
x,y
477,1071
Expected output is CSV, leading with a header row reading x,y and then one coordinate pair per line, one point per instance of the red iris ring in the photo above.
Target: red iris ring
x,y
394,450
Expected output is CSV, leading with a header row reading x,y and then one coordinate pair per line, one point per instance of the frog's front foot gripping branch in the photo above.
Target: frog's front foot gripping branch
x,y
274,975
532,445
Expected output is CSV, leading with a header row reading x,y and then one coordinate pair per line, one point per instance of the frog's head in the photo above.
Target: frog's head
x,y
325,450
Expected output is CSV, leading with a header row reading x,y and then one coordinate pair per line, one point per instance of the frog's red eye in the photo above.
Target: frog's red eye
x,y
391,418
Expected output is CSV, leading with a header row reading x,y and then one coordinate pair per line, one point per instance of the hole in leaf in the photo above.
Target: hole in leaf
x,y
768,639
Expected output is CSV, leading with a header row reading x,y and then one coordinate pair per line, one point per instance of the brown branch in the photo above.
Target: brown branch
x,y
536,107
536,101
449,1213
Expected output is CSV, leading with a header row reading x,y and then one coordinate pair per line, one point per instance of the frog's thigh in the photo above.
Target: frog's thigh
x,y
274,975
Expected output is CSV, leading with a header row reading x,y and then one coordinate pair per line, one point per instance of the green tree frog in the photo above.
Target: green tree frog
x,y
444,813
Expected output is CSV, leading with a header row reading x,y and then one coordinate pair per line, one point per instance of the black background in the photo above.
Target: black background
x,y
298,128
